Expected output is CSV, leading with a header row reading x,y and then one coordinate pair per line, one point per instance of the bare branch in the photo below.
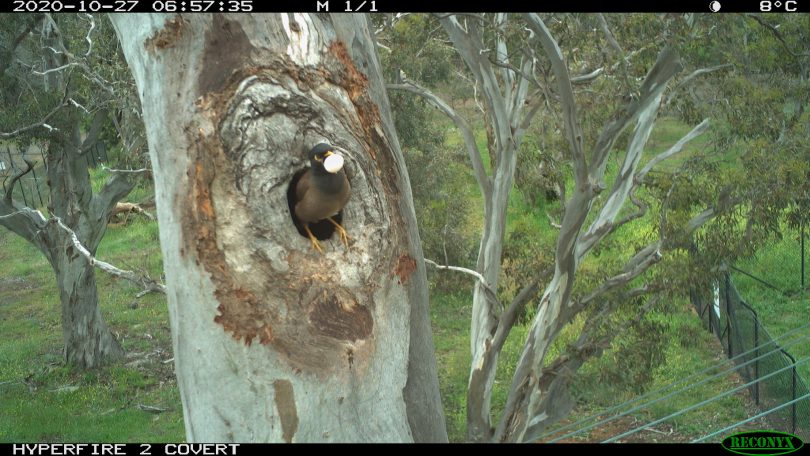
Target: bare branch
x,y
654,84
41,123
693,75
777,34
132,171
552,222
700,219
87,37
466,132
603,26
146,282
55,70
676,148
18,176
475,274
572,128
623,184
634,267
586,78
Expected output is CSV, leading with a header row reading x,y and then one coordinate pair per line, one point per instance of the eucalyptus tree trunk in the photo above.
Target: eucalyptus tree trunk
x,y
274,341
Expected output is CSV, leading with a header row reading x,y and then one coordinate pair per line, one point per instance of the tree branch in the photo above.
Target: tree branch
x,y
654,84
490,292
147,283
676,148
18,176
41,123
776,33
117,187
467,134
693,75
586,78
7,57
603,26
634,267
623,184
572,128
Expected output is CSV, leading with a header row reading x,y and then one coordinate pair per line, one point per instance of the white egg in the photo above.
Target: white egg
x,y
333,163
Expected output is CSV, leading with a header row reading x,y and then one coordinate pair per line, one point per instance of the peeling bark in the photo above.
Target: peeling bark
x,y
274,341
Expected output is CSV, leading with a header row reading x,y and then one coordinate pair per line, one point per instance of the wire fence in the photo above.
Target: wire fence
x,y
683,387
772,379
32,189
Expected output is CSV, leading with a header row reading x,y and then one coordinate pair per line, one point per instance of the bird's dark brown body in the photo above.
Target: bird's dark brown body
x,y
319,197
322,192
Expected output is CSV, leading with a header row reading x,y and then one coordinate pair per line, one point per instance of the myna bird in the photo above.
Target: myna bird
x,y
322,191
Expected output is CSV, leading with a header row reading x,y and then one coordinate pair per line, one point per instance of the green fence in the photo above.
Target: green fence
x,y
738,328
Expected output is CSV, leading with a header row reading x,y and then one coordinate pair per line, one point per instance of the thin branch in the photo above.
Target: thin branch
x,y
572,128
603,26
132,171
55,70
693,75
475,274
466,132
18,176
552,222
586,78
776,33
513,311
634,267
41,123
87,37
149,284
676,148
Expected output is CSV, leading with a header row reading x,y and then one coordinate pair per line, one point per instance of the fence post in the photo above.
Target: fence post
x,y
802,236
793,405
36,185
729,337
756,357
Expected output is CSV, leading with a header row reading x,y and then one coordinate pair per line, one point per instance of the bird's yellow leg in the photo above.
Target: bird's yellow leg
x,y
344,237
315,244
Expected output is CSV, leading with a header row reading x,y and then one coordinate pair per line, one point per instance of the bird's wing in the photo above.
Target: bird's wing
x,y
303,185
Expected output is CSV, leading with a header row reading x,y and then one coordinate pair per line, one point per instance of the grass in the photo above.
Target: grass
x,y
45,401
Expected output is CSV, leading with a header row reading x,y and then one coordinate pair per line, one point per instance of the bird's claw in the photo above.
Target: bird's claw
x,y
344,236
316,245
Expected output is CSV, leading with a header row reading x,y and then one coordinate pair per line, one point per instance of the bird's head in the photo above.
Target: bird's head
x,y
324,156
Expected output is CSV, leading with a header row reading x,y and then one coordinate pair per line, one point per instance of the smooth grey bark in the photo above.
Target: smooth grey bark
x,y
505,100
274,341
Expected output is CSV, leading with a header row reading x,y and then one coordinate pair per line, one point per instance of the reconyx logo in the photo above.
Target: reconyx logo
x,y
762,443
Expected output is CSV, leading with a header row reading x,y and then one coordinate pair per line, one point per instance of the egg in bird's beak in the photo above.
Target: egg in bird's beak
x,y
333,162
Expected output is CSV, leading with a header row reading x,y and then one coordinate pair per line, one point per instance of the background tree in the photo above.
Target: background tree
x,y
273,341
61,81
604,198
